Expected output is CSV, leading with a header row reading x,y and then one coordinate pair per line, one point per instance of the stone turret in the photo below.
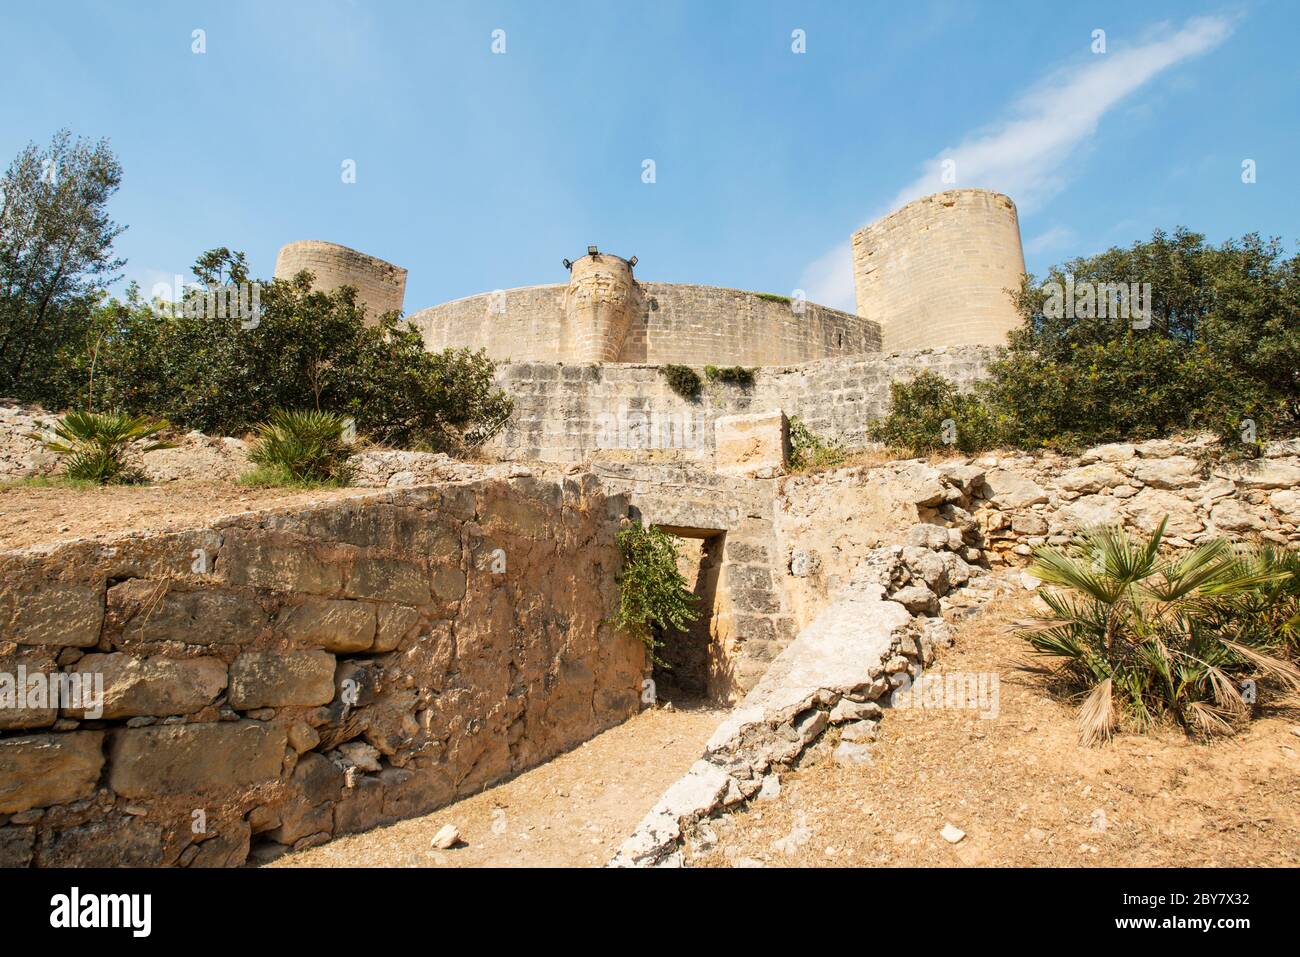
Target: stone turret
x,y
599,306
936,272
380,286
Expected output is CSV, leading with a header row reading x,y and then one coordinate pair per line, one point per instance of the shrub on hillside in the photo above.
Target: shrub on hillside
x,y
307,350
300,448
929,413
1217,346
810,452
1141,632
95,445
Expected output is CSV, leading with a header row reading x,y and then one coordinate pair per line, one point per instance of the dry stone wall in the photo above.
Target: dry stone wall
x,y
286,676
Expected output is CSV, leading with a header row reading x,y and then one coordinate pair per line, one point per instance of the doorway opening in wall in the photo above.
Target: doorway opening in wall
x,y
694,657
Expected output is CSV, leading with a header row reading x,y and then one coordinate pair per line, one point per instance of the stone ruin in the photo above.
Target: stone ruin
x,y
277,678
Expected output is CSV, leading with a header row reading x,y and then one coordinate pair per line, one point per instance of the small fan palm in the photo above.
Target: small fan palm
x,y
1141,631
303,447
97,443
1268,616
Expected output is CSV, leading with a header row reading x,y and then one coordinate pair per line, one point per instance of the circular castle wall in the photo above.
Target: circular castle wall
x,y
670,323
936,272
381,286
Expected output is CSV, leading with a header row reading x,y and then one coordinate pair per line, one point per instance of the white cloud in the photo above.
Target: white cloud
x,y
1053,238
1025,155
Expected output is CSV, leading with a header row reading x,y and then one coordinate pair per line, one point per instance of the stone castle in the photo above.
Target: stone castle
x,y
932,274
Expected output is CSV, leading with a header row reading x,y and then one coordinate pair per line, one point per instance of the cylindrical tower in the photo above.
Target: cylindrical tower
x,y
380,285
937,272
599,306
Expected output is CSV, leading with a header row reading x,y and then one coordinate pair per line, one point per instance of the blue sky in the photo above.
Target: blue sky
x,y
478,171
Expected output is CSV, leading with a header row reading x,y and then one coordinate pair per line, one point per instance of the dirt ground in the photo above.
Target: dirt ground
x,y
573,811
31,515
1023,791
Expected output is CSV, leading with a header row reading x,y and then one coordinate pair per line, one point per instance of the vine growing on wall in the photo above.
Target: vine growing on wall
x,y
653,595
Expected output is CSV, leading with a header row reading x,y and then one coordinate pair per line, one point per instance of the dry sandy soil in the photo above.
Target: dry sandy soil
x,y
1023,790
573,811
32,515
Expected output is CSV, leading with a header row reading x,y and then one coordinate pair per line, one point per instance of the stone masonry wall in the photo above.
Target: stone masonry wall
x,y
676,323
286,676
568,413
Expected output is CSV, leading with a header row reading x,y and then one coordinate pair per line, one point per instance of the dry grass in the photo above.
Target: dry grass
x,y
1024,790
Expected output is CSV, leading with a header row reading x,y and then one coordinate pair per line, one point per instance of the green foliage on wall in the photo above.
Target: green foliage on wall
x,y
683,380
730,375
653,596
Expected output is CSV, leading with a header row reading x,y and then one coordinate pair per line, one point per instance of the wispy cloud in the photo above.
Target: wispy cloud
x,y
1054,237
1025,156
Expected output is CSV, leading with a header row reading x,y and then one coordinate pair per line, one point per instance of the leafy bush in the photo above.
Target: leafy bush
x,y
1141,632
1221,351
308,350
653,596
731,375
683,380
929,413
810,452
97,444
301,448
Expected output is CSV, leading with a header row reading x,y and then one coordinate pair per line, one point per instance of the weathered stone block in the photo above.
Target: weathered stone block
x,y
155,685
745,444
54,614
185,758
273,680
122,842
16,845
44,769
249,559
227,848
19,678
396,623
334,624
155,611
388,579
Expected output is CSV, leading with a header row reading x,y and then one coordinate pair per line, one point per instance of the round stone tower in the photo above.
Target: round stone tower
x,y
936,272
599,306
380,286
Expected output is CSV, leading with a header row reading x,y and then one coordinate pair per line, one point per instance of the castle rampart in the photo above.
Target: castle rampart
x,y
381,286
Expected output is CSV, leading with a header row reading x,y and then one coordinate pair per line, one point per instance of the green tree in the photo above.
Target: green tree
x,y
56,256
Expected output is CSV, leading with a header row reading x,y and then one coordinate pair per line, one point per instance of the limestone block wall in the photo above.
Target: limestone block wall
x,y
935,273
381,286
672,323
286,676
570,413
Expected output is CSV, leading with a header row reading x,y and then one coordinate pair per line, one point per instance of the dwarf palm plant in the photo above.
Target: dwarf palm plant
x,y
1140,631
1267,616
97,443
302,447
